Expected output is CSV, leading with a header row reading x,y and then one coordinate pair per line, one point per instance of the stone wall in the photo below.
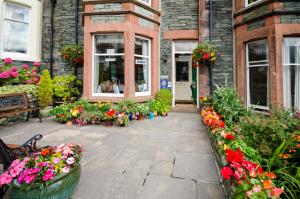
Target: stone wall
x,y
176,15
64,33
222,38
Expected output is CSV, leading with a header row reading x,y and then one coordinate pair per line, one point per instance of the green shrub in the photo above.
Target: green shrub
x,y
45,90
165,96
127,106
226,102
142,109
65,87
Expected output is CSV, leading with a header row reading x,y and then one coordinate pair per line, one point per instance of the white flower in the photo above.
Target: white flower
x,y
70,160
66,169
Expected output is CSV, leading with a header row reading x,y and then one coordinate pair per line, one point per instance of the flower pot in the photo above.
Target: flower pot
x,y
61,187
141,117
164,114
109,123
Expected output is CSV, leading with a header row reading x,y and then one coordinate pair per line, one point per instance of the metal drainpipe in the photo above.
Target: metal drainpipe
x,y
210,39
53,3
76,32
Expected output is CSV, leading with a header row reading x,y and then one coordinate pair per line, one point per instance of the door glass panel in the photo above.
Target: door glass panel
x,y
182,71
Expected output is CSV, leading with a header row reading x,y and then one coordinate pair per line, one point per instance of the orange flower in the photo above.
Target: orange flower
x,y
292,150
267,184
44,152
284,156
270,175
298,146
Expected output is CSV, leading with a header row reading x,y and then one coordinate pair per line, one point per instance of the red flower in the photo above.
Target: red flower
x,y
229,136
221,124
205,56
260,170
226,173
270,175
44,152
234,156
276,192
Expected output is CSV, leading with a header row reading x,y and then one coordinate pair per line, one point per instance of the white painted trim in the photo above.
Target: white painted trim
x,y
148,93
149,4
93,75
248,66
173,73
247,4
198,88
34,35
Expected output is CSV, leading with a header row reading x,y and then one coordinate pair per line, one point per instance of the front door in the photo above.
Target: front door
x,y
183,69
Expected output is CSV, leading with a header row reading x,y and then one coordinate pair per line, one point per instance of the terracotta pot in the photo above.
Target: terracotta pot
x,y
141,117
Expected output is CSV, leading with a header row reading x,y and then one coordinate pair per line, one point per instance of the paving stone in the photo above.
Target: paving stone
x,y
210,191
162,168
162,187
190,144
199,167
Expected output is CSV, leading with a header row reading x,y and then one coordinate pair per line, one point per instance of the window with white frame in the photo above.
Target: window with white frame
x,y
146,1
291,72
258,75
142,60
20,29
108,67
251,2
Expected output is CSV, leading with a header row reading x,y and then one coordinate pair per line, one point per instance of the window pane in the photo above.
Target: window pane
x,y
15,37
258,78
109,74
252,1
16,12
141,47
141,74
109,44
257,51
182,71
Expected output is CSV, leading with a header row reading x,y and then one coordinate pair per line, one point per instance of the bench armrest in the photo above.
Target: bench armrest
x,y
30,145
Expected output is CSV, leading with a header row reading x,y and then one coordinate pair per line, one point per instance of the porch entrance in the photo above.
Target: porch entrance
x,y
184,75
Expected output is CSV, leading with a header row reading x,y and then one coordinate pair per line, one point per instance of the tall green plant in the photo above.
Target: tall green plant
x,y
165,96
65,87
45,90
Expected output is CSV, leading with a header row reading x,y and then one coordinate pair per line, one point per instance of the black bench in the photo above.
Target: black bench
x,y
10,152
16,104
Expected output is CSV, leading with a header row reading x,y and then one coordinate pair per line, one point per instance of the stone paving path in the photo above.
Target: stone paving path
x,y
164,158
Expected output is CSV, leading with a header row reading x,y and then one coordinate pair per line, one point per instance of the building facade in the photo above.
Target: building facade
x,y
131,45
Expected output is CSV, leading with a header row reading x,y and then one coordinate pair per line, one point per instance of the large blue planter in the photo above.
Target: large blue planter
x,y
61,187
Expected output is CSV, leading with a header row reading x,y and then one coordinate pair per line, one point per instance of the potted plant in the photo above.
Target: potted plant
x,y
51,173
123,119
154,106
73,54
45,93
141,111
204,54
65,87
109,117
163,109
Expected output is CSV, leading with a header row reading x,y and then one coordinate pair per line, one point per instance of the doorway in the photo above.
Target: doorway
x,y
185,79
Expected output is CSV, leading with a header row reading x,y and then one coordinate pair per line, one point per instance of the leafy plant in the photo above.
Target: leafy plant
x,y
28,89
142,109
127,106
165,96
65,87
45,90
104,107
73,54
122,119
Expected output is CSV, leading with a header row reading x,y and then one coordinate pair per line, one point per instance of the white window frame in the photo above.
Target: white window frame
x,y
93,68
34,34
149,4
147,93
257,64
250,4
287,65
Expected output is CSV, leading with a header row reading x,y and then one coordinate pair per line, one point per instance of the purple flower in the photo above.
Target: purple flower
x,y
49,175
23,175
8,61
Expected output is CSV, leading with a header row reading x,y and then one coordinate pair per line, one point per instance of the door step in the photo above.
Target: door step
x,y
185,108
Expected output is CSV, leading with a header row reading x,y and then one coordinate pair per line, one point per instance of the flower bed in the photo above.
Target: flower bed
x,y
247,170
42,169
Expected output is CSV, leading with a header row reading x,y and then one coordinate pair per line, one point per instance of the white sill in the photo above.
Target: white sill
x,y
107,95
142,94
16,57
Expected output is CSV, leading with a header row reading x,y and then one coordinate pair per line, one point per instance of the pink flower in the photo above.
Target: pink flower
x,y
16,171
34,171
14,74
256,188
4,75
37,64
30,178
249,193
29,81
56,160
49,175
66,169
8,61
33,73
14,69
42,164
70,160
15,163
276,192
25,66
22,176
5,179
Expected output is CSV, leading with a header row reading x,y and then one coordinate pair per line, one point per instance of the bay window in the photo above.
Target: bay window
x,y
142,66
258,75
291,73
20,30
108,76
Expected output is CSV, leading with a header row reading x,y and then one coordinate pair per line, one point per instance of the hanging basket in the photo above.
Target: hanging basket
x,y
61,187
